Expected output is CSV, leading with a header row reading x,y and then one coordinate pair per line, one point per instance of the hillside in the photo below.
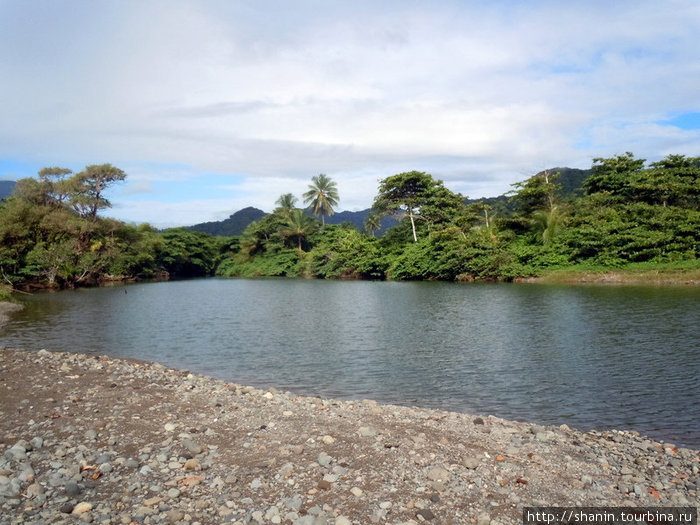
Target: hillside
x,y
6,188
571,181
234,225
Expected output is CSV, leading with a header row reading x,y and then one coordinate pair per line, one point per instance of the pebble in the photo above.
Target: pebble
x,y
82,508
236,455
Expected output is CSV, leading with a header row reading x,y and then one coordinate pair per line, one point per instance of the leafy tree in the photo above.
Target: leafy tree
x,y
612,175
342,252
298,227
188,254
88,187
323,196
537,192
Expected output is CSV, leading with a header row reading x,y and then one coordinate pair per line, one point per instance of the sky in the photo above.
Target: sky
x,y
211,106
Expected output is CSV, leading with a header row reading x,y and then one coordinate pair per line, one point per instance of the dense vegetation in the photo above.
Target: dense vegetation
x,y
624,212
51,235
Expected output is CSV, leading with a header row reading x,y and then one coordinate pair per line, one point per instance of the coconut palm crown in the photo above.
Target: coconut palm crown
x,y
322,196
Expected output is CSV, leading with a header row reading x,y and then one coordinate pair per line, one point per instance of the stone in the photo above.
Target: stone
x,y
425,514
470,462
357,491
173,493
483,519
35,490
169,427
478,421
192,464
438,474
324,485
342,520
328,440
192,447
82,508
174,515
72,489
324,459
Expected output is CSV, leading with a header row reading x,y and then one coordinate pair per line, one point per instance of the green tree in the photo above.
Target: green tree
x,y
322,196
403,194
373,223
88,187
537,192
612,176
417,195
286,203
298,227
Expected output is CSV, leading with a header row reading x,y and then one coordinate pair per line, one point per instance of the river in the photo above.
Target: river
x,y
589,356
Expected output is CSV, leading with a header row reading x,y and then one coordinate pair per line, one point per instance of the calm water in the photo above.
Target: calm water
x,y
591,357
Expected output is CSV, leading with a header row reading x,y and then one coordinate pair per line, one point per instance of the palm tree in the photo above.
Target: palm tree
x,y
299,226
323,195
547,223
373,223
286,203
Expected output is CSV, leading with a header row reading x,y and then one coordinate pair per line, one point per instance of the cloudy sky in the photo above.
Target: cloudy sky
x,y
211,106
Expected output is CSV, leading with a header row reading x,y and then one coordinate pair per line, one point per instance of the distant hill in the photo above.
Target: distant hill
x,y
571,181
6,188
234,225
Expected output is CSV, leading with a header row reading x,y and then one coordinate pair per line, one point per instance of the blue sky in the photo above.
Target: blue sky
x,y
211,106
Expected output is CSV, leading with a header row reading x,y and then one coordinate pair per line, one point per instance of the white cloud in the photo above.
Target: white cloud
x,y
480,94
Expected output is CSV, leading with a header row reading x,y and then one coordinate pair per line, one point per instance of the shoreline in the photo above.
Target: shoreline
x,y
120,440
631,277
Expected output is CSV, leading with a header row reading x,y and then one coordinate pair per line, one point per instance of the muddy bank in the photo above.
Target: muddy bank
x,y
104,440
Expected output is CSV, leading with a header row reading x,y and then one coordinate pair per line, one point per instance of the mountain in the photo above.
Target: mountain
x,y
571,180
234,225
6,188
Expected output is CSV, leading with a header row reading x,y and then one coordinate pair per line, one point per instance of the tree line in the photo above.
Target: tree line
x,y
629,212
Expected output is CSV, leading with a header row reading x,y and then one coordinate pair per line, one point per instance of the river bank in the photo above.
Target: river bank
x,y
109,440
629,276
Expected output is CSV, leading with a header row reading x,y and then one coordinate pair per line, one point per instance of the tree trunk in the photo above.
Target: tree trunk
x,y
413,225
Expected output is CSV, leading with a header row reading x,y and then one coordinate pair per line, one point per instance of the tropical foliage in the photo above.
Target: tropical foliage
x,y
626,213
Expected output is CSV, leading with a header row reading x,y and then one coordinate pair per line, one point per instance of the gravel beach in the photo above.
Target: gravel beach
x,y
95,439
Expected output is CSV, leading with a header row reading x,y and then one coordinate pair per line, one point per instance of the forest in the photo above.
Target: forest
x,y
628,213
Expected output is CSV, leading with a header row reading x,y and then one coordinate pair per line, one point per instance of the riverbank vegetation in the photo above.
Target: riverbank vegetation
x,y
627,216
626,213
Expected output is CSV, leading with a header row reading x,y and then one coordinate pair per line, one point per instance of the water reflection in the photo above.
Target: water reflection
x,y
621,357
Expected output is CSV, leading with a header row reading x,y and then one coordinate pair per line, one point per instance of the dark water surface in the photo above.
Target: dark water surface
x,y
590,357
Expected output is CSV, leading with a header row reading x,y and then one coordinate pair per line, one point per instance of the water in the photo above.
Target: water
x,y
590,357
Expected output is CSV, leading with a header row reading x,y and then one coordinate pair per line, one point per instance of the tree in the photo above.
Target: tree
x,y
55,184
537,193
88,186
416,194
547,223
373,223
612,175
323,196
286,204
298,227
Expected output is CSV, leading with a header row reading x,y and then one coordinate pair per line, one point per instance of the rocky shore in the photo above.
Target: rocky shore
x,y
100,440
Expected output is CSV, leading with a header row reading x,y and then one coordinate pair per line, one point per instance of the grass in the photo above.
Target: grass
x,y
682,272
